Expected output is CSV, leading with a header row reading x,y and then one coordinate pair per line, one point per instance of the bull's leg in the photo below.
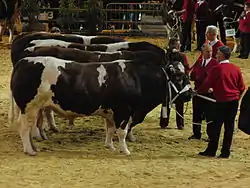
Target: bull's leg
x,y
131,136
71,123
10,35
51,120
1,32
122,133
39,129
24,132
109,135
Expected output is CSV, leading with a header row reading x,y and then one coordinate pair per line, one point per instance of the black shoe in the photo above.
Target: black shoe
x,y
180,127
225,156
194,137
206,139
207,154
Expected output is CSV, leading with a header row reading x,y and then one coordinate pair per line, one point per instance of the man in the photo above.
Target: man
x,y
217,18
201,19
211,35
187,19
244,27
201,70
226,83
173,54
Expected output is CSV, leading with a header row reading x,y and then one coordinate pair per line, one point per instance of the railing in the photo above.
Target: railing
x,y
120,18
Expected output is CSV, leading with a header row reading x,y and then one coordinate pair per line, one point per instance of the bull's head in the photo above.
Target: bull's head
x,y
179,83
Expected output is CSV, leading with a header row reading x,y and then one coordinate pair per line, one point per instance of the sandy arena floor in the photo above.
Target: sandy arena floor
x,y
77,158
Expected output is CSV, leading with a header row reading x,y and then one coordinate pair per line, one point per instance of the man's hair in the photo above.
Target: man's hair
x,y
226,51
206,45
212,29
172,42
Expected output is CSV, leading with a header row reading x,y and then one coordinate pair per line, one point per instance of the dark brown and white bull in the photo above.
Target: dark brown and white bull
x,y
121,91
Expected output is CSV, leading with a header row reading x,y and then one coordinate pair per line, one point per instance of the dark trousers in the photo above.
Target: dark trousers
x,y
200,32
186,36
219,19
245,44
179,120
202,107
225,113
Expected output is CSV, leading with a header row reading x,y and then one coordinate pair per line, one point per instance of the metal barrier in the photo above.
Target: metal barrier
x,y
120,18
134,17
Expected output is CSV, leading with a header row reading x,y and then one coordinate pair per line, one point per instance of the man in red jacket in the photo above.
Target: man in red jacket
x,y
187,19
226,83
202,20
244,27
201,70
211,35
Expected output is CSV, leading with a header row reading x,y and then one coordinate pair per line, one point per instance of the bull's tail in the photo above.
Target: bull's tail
x,y
14,112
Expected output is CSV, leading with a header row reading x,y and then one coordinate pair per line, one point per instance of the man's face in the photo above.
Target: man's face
x,y
219,56
210,36
246,8
207,52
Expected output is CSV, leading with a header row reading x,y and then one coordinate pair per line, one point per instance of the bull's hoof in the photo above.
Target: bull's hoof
x,y
30,153
110,147
54,129
131,138
125,152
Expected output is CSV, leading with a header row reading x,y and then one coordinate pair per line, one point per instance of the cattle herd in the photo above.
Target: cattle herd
x,y
76,76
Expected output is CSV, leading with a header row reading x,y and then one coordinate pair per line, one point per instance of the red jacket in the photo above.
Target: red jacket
x,y
215,48
226,81
188,15
244,24
199,73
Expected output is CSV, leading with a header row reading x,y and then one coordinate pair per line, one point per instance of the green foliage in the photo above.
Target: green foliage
x,y
30,8
67,15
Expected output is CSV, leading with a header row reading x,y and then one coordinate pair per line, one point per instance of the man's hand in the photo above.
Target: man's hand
x,y
210,90
193,92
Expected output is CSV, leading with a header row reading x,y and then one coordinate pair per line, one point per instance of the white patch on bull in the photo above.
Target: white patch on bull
x,y
122,64
99,56
117,46
181,67
50,72
102,73
47,42
86,39
109,53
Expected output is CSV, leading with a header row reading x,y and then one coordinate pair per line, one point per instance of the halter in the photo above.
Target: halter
x,y
169,85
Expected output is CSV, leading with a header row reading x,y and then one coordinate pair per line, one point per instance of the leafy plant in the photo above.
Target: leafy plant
x,y
30,8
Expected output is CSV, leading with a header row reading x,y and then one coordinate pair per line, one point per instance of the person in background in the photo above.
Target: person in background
x,y
244,27
174,54
227,85
187,19
200,71
211,35
201,19
217,18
